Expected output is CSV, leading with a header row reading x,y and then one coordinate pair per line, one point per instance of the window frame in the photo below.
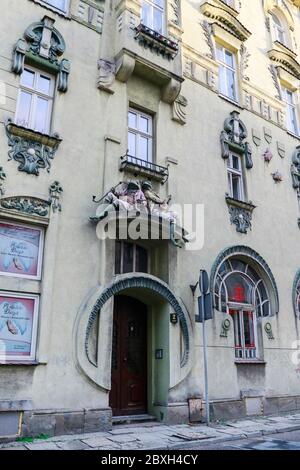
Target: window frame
x,y
33,350
135,246
139,133
278,28
243,351
153,6
238,172
55,8
290,106
40,256
35,94
222,64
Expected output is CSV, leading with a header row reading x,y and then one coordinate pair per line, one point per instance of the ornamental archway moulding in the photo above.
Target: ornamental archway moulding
x,y
98,303
271,5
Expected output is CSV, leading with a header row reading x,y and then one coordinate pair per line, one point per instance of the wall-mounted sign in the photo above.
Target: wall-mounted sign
x,y
21,250
18,327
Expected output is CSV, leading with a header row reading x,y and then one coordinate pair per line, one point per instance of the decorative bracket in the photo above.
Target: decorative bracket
x,y
55,191
2,180
240,214
44,45
32,150
233,138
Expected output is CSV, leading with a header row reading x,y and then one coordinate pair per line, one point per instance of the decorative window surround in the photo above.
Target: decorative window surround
x,y
42,46
258,264
233,138
240,214
29,206
296,295
295,168
32,150
156,42
225,18
2,181
285,60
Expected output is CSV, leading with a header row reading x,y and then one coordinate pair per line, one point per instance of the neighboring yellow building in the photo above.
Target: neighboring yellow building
x,y
183,119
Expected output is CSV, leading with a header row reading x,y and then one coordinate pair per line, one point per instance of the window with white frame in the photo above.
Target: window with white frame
x,y
35,100
140,136
291,110
130,258
241,292
235,177
227,73
153,14
279,30
62,5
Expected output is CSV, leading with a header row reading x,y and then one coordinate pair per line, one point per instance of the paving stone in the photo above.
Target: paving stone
x,y
122,438
15,448
72,445
96,441
42,446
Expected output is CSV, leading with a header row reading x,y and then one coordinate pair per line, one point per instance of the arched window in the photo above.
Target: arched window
x,y
279,29
241,292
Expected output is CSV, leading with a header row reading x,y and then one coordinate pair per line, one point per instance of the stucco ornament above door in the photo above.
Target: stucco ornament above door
x,y
137,201
93,327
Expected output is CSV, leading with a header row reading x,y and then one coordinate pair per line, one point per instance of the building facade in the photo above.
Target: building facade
x,y
182,120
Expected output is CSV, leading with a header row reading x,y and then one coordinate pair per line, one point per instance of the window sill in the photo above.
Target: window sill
x,y
30,134
241,204
229,100
19,363
249,362
293,135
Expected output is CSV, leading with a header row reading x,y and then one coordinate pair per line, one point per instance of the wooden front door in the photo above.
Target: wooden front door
x,y
128,394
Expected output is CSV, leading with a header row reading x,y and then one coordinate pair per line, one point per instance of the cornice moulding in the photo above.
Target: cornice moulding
x,y
287,62
226,20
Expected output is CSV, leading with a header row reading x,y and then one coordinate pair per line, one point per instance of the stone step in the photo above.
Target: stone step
x,y
134,419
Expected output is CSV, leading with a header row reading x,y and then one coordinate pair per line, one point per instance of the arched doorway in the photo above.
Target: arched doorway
x,y
128,395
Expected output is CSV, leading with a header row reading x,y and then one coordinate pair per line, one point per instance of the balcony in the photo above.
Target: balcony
x,y
141,167
156,42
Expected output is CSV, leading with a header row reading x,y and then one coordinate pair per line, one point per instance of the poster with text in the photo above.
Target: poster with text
x,y
20,250
17,327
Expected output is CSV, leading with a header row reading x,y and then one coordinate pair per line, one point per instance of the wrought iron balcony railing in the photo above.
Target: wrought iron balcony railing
x,y
142,167
155,41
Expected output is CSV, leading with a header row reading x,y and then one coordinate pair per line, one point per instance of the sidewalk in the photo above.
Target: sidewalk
x,y
155,436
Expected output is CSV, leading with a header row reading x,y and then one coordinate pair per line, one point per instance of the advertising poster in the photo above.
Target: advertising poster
x,y
20,250
17,327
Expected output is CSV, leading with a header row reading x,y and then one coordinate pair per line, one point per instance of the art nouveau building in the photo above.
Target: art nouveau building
x,y
133,101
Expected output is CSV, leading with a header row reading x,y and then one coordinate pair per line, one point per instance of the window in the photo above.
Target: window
x,y
21,252
245,333
153,15
279,30
241,292
235,177
61,5
227,73
35,100
140,136
130,258
230,3
291,111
